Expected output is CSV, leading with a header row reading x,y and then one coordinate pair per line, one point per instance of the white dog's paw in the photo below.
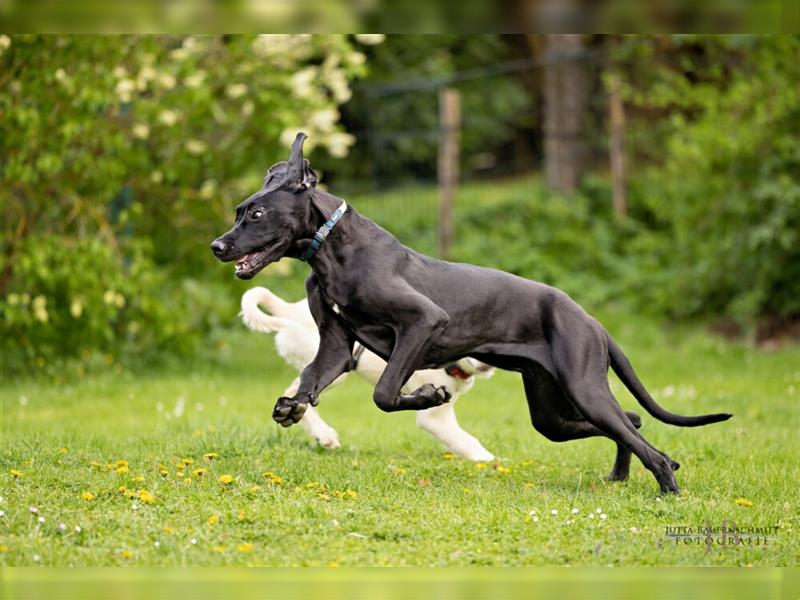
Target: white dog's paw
x,y
481,455
328,438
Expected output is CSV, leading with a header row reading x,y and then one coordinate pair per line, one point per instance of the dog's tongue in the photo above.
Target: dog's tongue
x,y
244,262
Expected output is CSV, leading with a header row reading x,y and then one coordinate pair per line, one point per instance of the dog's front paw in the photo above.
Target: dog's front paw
x,y
429,396
289,411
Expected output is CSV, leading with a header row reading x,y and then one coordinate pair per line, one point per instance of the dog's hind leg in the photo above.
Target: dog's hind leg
x,y
554,417
441,423
582,374
312,422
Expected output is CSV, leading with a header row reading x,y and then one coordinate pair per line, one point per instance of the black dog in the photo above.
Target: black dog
x,y
420,313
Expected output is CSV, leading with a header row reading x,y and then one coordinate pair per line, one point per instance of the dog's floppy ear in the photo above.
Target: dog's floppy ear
x,y
300,176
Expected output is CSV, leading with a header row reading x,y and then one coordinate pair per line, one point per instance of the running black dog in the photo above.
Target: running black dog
x,y
417,312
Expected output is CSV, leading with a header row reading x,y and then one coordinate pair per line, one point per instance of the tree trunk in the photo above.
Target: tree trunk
x,y
566,90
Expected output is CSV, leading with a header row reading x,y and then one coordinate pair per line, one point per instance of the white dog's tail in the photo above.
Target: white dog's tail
x,y
256,319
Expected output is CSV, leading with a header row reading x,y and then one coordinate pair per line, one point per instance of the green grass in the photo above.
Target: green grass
x,y
412,506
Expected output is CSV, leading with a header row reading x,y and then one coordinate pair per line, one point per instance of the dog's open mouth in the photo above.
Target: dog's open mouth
x,y
250,264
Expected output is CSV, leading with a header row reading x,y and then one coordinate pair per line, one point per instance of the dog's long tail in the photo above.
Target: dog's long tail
x,y
622,367
256,319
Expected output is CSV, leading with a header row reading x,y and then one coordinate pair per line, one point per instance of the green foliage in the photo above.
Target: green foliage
x,y
723,198
123,157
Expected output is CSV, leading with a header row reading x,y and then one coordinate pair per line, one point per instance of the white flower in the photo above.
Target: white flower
x,y
604,516
324,119
339,143
5,42
209,189
141,131
168,117
120,72
36,558
591,515
370,39
236,90
33,509
2,513
78,529
39,310
598,510
193,541
62,526
575,511
124,89
532,511
302,81
535,519
196,147
76,308
195,80
554,512
166,81
633,530
156,543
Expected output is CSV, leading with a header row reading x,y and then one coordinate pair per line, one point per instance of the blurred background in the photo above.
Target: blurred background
x,y
650,175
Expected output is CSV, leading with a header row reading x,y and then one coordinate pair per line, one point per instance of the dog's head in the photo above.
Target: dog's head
x,y
270,221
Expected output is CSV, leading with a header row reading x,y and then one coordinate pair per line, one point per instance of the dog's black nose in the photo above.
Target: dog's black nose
x,y
218,247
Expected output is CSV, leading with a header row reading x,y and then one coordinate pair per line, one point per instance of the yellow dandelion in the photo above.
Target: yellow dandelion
x,y
213,520
530,484
244,547
180,474
139,479
210,456
15,473
179,465
273,478
323,496
502,469
226,479
146,497
480,466
121,470
199,472
399,471
744,502
187,481
126,554
95,464
218,549
312,484
121,463
87,496
62,451
168,530
3,548
162,470
187,461
525,463
333,565
448,456
254,489
351,494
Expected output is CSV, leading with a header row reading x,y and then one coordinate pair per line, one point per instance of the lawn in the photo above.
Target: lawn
x,y
110,469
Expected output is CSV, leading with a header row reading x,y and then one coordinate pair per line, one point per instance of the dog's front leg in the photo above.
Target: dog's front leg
x,y
421,323
333,358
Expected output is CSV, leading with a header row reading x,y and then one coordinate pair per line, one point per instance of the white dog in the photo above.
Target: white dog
x,y
297,340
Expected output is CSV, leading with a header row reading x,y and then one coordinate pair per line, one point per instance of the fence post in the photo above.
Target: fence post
x,y
449,139
616,148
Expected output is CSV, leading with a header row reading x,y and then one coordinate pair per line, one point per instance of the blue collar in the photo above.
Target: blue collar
x,y
323,232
